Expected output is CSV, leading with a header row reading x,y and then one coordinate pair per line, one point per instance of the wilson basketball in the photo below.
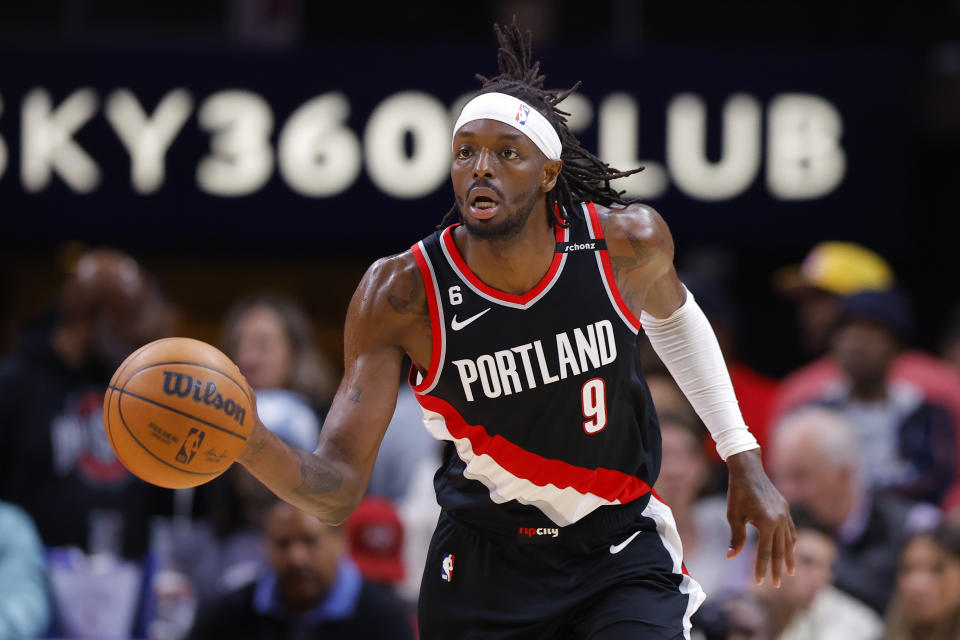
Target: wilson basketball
x,y
177,412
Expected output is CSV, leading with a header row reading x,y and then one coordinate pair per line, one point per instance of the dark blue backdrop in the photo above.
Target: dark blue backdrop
x,y
869,91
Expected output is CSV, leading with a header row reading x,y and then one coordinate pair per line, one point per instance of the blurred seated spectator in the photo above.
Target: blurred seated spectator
x,y
55,459
667,396
807,606
94,596
926,605
907,444
224,550
286,414
733,616
814,462
748,619
701,520
270,338
375,539
831,271
24,603
312,590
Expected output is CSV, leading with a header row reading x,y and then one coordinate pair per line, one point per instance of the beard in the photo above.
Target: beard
x,y
508,227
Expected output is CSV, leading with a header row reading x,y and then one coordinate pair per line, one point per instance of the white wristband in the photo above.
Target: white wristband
x,y
688,347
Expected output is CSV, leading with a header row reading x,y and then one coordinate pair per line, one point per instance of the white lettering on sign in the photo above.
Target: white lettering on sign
x,y
147,138
242,160
580,110
804,156
47,143
405,145
619,141
319,154
424,119
687,147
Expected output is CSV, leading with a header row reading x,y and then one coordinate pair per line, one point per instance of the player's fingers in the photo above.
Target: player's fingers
x,y
791,544
777,554
738,537
764,548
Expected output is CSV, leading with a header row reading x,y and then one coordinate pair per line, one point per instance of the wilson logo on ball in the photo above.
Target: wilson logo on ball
x,y
183,384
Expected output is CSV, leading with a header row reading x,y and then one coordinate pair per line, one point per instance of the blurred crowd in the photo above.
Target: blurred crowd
x,y
862,441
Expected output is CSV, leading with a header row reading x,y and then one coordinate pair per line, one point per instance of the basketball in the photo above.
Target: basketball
x,y
177,413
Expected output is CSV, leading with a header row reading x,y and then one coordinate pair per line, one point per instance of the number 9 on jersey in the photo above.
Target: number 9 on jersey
x,y
594,399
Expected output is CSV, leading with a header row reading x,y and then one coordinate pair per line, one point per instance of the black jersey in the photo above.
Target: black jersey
x,y
540,395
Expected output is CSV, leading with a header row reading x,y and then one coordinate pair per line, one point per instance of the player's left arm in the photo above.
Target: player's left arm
x,y
641,254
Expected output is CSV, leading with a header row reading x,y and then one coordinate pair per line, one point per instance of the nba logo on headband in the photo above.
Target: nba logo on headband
x,y
522,113
504,108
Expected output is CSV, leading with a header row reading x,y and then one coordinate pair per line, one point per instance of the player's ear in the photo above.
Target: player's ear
x,y
551,171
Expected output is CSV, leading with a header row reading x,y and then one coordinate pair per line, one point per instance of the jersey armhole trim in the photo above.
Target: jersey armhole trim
x,y
438,348
606,271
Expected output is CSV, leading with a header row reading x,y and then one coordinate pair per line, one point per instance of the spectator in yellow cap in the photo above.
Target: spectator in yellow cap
x,y
830,271
828,274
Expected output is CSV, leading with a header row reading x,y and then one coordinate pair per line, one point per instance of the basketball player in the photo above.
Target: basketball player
x,y
522,322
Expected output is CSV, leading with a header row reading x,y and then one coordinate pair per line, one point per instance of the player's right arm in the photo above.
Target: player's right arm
x,y
387,317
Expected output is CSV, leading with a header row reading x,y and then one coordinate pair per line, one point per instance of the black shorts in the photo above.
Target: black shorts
x,y
615,574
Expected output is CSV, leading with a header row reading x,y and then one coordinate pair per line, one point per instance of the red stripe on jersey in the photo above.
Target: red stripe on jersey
x,y
608,269
451,246
436,329
608,484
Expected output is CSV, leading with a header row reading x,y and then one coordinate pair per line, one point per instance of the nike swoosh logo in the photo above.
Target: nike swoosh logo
x,y
456,326
617,548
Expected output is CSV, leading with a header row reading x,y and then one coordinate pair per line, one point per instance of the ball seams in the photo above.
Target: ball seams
x,y
130,370
145,448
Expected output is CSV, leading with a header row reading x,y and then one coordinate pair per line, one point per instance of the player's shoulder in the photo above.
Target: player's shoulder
x,y
394,283
390,305
635,225
386,271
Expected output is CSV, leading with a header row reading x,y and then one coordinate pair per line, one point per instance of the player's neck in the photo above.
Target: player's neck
x,y
515,265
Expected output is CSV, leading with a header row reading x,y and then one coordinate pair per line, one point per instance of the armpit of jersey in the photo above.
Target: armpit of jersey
x,y
564,492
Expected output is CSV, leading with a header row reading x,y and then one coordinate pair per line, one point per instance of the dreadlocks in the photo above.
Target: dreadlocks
x,y
584,176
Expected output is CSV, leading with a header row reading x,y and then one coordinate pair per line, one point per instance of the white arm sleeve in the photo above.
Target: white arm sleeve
x,y
688,347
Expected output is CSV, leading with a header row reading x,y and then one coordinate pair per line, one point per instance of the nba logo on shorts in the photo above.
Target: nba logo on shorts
x,y
522,113
447,565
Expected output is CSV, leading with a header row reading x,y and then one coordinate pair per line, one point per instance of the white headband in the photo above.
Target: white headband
x,y
517,114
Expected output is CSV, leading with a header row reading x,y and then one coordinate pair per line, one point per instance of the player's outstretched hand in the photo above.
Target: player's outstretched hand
x,y
751,497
